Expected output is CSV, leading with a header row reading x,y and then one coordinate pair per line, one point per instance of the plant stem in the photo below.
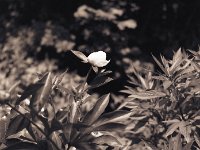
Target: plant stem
x,y
49,139
86,78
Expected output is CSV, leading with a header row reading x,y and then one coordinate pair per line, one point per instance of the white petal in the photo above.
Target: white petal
x,y
98,59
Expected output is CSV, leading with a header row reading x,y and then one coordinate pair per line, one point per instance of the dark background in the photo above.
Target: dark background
x,y
43,31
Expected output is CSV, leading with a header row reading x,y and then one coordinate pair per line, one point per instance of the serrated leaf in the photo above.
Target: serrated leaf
x,y
17,124
106,140
97,110
144,95
80,55
116,116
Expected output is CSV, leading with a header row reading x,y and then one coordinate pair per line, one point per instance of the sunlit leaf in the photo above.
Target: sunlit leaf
x,y
144,95
177,144
106,140
188,146
171,129
97,110
59,78
185,130
177,60
115,116
57,140
80,55
167,84
160,65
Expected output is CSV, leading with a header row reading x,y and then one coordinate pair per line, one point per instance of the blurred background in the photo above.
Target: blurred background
x,y
36,36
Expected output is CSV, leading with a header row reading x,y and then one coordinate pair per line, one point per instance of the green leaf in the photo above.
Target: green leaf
x,y
144,95
80,55
41,96
97,110
17,124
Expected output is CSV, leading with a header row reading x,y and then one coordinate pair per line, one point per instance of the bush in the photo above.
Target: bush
x,y
160,112
36,121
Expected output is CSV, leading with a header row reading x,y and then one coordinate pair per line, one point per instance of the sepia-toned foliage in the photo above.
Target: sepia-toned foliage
x,y
165,104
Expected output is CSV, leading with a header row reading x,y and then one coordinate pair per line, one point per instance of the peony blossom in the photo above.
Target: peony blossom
x,y
98,59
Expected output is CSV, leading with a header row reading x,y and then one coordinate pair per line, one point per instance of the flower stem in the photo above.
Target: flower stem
x,y
85,81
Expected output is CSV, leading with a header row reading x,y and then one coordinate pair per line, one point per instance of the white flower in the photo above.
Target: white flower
x,y
98,59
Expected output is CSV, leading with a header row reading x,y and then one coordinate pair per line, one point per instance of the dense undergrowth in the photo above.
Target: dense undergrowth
x,y
159,112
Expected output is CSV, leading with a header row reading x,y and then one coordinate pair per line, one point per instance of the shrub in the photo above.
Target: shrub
x,y
36,121
167,104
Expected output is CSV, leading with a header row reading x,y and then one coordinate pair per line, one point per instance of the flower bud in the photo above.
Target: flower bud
x,y
98,59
